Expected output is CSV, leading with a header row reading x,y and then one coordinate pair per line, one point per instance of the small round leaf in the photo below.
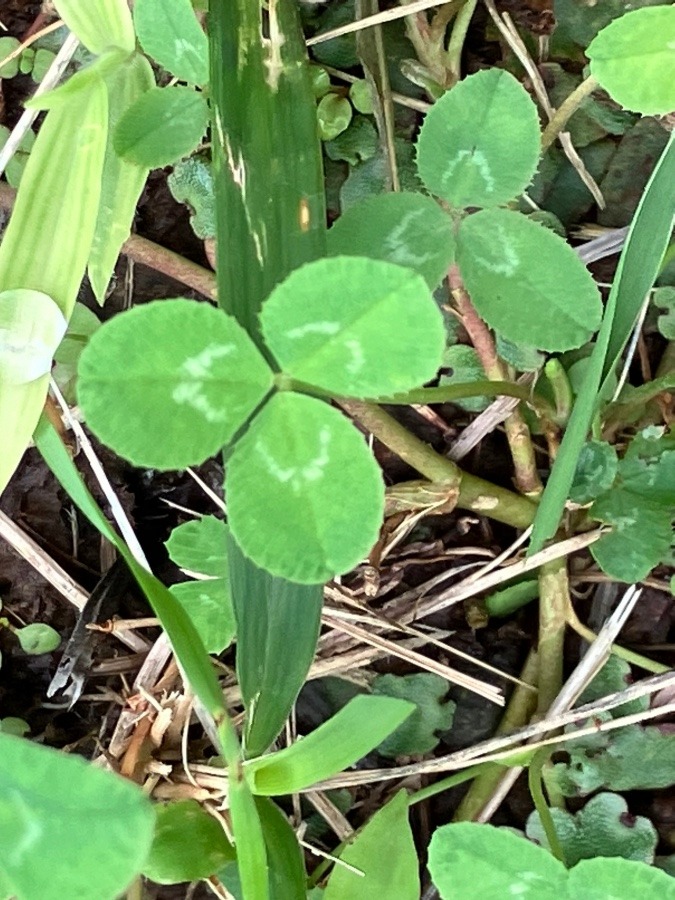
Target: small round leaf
x,y
407,229
208,603
167,384
189,844
526,282
633,58
479,144
162,126
200,546
305,496
353,326
38,638
333,114
31,328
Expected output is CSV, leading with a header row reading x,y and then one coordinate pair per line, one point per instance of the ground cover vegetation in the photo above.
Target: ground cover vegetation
x,y
436,418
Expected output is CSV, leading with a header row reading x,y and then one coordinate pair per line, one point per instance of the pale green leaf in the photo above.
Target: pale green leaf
x,y
43,793
31,328
340,742
7,46
664,298
479,144
618,879
188,844
38,637
200,546
121,181
526,282
99,24
209,605
163,125
305,495
167,384
633,58
407,229
468,861
169,32
333,113
384,852
83,323
354,326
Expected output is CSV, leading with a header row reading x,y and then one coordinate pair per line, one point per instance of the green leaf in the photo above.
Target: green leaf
x,y
354,326
433,714
189,844
31,328
277,630
638,267
184,639
167,384
604,827
479,144
384,852
15,726
38,638
121,181
333,113
521,356
468,861
305,495
169,32
461,365
618,879
17,164
43,792
361,95
200,546
596,470
83,323
340,742
191,183
163,125
358,143
407,229
526,282
630,758
639,508
8,45
99,24
664,298
633,58
288,878
209,605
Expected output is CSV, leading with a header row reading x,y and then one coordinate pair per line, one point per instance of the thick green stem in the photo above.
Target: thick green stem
x,y
553,604
474,493
517,432
518,713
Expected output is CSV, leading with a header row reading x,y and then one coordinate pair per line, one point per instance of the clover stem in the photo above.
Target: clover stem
x,y
517,433
553,605
475,493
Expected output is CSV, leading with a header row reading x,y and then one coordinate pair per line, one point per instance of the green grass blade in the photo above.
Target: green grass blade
x,y
271,614
268,173
184,639
638,267
288,879
340,742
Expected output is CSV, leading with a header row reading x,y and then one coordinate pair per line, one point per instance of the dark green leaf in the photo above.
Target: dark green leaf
x,y
278,627
433,713
596,470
